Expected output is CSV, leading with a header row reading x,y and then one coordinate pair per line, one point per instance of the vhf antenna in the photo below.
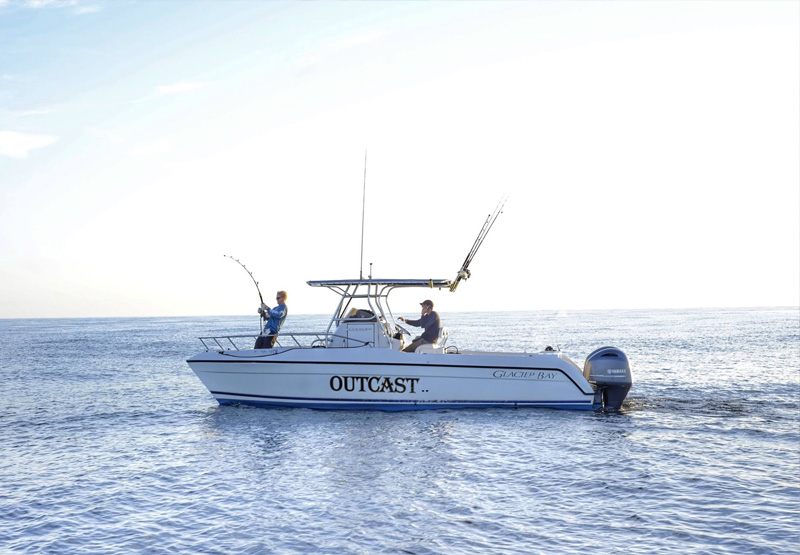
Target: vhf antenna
x,y
363,208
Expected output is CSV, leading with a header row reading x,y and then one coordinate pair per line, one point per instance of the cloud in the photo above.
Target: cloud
x,y
28,113
168,90
87,9
17,145
80,7
43,4
356,40
178,88
333,47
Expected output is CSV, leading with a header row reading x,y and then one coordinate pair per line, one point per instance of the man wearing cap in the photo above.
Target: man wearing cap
x,y
430,321
273,320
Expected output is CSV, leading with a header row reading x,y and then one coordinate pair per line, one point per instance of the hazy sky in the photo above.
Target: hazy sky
x,y
650,152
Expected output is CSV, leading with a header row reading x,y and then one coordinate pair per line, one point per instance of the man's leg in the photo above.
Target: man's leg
x,y
414,344
265,341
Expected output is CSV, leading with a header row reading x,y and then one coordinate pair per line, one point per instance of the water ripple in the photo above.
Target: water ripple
x,y
111,444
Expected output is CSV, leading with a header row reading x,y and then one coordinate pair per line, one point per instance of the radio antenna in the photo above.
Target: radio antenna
x,y
363,209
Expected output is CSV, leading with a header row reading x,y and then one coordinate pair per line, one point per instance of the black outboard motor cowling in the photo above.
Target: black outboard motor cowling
x,y
608,369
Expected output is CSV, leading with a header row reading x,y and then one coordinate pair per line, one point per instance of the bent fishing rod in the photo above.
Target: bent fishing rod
x,y
464,272
248,273
261,298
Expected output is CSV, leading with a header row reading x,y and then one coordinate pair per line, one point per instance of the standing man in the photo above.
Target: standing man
x,y
274,318
428,320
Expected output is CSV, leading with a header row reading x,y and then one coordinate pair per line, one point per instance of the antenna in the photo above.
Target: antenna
x,y
363,208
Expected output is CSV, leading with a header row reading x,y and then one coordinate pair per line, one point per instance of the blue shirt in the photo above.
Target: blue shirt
x,y
276,317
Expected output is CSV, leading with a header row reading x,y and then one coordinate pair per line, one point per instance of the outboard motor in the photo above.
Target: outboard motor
x,y
608,369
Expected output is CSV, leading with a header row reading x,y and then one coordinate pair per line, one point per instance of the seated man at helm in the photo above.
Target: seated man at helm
x,y
428,320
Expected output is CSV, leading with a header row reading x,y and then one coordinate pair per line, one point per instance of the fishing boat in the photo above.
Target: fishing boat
x,y
358,362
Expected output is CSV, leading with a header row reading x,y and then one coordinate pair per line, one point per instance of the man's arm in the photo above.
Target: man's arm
x,y
276,312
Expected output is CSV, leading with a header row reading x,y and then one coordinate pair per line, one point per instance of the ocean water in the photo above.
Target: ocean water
x,y
110,444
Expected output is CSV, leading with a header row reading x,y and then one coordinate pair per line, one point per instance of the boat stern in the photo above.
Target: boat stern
x,y
609,371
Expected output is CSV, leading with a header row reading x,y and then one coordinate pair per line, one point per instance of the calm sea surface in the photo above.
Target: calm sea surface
x,y
110,444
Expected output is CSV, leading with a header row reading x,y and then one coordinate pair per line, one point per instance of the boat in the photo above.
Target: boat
x,y
357,363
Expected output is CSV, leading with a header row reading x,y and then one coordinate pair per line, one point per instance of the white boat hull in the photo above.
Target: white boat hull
x,y
386,379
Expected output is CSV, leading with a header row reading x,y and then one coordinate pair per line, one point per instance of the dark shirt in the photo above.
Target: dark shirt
x,y
431,324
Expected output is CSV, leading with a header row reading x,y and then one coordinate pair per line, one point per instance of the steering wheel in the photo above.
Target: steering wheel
x,y
403,330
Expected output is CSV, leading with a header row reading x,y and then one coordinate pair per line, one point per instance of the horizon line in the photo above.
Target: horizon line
x,y
325,314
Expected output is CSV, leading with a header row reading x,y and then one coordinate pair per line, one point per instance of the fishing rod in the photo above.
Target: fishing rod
x,y
464,272
249,273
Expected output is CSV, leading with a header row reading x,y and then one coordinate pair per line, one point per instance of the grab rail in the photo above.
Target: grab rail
x,y
322,338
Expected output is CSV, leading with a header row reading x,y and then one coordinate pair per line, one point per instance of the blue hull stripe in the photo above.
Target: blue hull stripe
x,y
388,404
399,407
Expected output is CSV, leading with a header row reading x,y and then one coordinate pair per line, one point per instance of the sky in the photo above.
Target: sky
x,y
650,152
